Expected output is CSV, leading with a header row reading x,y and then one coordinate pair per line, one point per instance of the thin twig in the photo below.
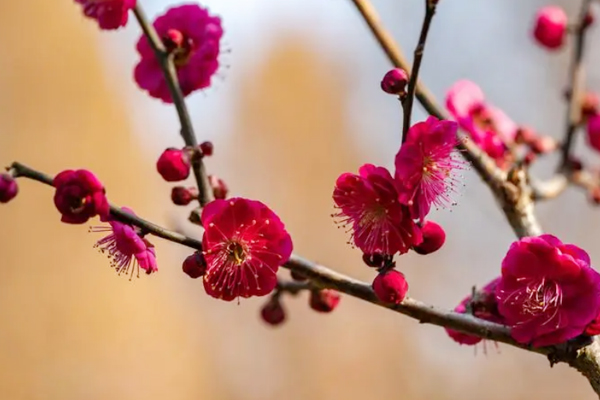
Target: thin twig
x,y
577,82
407,101
187,130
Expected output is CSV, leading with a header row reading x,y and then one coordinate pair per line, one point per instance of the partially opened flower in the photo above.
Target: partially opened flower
x,y
548,293
193,37
79,196
368,204
488,126
244,245
483,306
126,248
425,165
110,14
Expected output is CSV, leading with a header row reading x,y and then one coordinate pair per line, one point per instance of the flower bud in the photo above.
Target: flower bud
x,y
589,104
593,131
8,188
390,286
551,27
272,312
207,148
219,187
595,195
589,18
525,135
195,265
543,145
183,196
433,238
324,301
394,81
173,165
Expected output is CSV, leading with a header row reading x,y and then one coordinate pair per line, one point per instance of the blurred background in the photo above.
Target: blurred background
x,y
296,104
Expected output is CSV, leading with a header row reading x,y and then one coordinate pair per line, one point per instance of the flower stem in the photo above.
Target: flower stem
x,y
407,102
577,83
187,130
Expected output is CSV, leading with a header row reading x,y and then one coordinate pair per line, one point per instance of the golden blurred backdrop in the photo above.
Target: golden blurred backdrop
x,y
72,329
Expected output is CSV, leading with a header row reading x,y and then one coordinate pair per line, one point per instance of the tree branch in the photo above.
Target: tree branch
x,y
187,130
407,102
577,82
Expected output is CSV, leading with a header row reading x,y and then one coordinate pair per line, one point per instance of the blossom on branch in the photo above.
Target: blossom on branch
x,y
550,27
191,35
8,188
425,166
368,204
488,126
125,247
548,292
173,165
483,306
110,14
79,196
244,244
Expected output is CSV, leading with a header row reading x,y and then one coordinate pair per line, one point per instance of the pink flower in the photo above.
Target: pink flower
x,y
484,306
244,244
548,292
368,204
8,188
192,35
126,248
79,196
110,14
390,286
550,27
433,238
394,81
487,125
593,131
425,166
173,165
324,301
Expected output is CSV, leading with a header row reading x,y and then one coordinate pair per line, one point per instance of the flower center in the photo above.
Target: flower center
x,y
236,253
542,296
77,204
179,46
373,215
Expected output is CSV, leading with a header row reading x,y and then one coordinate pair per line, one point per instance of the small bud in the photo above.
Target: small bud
x,y
376,260
525,135
173,39
207,148
218,186
593,131
589,18
272,312
173,165
324,301
394,81
551,27
575,164
433,238
390,286
595,195
543,145
297,277
195,265
183,196
8,188
589,104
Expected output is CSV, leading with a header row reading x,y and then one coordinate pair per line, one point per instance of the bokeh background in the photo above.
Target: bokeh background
x,y
296,104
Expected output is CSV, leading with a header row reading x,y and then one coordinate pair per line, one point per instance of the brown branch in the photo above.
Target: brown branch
x,y
187,130
516,204
577,82
407,101
586,359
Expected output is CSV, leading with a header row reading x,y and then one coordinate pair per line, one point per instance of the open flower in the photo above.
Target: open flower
x,y
548,292
244,244
79,196
483,306
425,166
110,14
192,37
368,204
126,249
488,126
